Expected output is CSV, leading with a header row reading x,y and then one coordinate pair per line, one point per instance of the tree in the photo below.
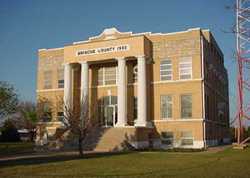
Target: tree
x,y
8,99
78,123
9,132
26,117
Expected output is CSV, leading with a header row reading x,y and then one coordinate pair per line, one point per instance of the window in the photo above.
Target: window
x,y
135,71
186,106
167,138
47,117
47,79
46,112
110,75
186,138
166,70
185,68
166,106
60,116
107,76
60,77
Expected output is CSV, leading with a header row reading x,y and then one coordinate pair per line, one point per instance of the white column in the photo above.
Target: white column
x,y
121,93
84,90
84,81
141,92
67,86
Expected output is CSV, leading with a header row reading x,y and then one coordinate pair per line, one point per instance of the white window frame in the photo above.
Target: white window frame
x,y
166,70
186,60
171,103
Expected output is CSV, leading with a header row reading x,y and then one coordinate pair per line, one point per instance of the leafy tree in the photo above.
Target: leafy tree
x,y
8,99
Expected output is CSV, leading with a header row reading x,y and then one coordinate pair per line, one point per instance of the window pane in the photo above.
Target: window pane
x,y
166,77
188,76
186,106
113,99
164,67
60,77
165,62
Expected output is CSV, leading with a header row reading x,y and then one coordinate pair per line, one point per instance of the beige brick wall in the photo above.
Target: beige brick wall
x,y
155,48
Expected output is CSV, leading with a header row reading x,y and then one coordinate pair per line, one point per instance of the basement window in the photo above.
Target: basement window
x,y
167,138
187,138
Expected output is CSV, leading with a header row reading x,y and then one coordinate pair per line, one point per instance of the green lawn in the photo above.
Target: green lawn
x,y
15,148
228,163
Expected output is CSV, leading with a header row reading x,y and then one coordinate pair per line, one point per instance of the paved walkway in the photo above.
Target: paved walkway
x,y
216,149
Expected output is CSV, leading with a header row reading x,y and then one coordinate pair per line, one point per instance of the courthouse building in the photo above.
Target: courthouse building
x,y
158,90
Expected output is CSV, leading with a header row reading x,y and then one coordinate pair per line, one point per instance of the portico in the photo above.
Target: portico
x,y
121,85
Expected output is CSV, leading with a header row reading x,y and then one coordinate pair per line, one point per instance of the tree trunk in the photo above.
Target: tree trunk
x,y
80,145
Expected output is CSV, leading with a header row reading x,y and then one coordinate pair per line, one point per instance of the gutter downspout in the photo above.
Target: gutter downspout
x,y
203,92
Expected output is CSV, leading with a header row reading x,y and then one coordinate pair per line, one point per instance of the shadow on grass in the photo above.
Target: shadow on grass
x,y
52,158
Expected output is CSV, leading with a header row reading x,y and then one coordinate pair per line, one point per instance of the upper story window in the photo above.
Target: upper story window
x,y
186,106
60,77
166,106
47,76
185,68
166,70
107,76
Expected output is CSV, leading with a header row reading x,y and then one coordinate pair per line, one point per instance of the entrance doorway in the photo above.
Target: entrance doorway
x,y
110,115
108,110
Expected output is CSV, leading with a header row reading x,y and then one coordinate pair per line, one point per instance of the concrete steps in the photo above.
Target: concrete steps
x,y
110,139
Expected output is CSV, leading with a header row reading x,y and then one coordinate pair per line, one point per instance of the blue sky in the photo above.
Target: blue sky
x,y
27,25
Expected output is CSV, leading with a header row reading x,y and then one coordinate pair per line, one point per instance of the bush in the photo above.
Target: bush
x,y
9,132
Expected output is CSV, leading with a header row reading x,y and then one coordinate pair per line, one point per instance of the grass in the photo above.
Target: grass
x,y
11,148
224,164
